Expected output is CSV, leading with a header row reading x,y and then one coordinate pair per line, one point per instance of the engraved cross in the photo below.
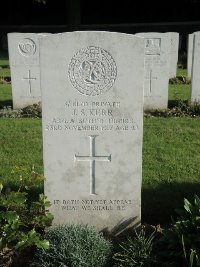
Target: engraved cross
x,y
150,78
92,158
29,78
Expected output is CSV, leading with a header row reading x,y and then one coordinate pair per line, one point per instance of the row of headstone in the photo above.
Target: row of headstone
x,y
161,55
92,103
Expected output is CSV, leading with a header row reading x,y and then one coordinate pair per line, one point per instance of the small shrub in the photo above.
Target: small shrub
x,y
8,112
21,222
77,246
136,251
31,111
183,238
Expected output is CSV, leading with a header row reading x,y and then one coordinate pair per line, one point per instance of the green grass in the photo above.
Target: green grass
x,y
5,92
182,72
4,72
5,95
171,158
21,144
4,65
181,91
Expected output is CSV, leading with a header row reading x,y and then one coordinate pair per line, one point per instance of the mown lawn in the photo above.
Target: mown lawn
x,y
21,145
4,65
181,71
179,92
5,93
171,157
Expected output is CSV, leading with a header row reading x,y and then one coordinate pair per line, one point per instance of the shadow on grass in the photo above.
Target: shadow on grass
x,y
3,55
159,204
6,103
175,103
5,66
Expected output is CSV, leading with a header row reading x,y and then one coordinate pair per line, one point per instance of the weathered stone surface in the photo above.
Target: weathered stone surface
x,y
92,97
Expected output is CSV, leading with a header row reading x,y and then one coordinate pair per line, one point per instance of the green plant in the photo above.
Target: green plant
x,y
31,111
73,245
137,251
22,221
183,238
8,112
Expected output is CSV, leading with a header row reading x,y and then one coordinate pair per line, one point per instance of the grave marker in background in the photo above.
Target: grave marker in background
x,y
189,53
92,97
190,47
174,53
195,77
24,65
157,66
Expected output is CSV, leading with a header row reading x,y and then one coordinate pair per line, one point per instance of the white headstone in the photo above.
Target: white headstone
x,y
190,45
92,97
156,75
189,53
174,53
195,77
25,69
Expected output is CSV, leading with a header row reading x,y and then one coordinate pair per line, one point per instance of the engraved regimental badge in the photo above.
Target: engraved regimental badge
x,y
27,47
152,46
92,71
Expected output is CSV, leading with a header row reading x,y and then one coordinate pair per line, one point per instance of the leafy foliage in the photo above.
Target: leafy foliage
x,y
8,112
73,245
183,238
21,222
31,111
136,251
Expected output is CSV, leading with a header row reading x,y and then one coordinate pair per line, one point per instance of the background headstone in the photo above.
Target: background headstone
x,y
190,45
25,69
92,102
174,53
195,77
157,65
189,53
